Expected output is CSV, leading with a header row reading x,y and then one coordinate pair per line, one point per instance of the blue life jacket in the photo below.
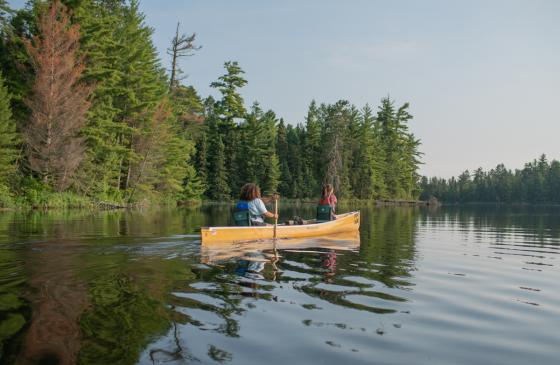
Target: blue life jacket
x,y
242,205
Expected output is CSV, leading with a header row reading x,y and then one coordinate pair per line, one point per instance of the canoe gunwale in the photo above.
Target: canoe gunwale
x,y
338,218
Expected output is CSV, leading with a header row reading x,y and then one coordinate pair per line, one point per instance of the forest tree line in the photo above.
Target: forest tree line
x,y
537,182
88,111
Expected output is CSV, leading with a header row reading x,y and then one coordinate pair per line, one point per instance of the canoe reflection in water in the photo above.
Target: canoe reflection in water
x,y
253,257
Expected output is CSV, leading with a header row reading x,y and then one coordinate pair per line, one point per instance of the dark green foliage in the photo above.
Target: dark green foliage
x,y
360,154
231,105
257,160
282,151
14,58
127,150
400,150
537,182
218,188
227,112
9,138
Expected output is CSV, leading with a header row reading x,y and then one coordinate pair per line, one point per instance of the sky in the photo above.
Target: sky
x,y
482,76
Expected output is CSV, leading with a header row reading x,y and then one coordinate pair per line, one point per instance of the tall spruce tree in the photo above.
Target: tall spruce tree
x,y
313,148
123,61
229,109
188,130
269,172
218,187
400,150
365,171
282,152
101,24
409,155
251,145
339,116
294,138
143,83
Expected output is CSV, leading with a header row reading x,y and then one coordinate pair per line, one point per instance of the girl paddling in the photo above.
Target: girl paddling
x,y
328,198
251,195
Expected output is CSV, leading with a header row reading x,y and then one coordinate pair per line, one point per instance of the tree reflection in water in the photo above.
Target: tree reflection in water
x,y
123,287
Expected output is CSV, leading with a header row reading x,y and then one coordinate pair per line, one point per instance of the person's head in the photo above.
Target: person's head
x,y
250,192
327,190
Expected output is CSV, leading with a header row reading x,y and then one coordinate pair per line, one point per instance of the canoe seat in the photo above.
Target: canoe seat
x,y
324,213
242,218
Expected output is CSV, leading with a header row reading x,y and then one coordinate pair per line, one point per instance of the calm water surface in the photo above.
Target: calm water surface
x,y
449,286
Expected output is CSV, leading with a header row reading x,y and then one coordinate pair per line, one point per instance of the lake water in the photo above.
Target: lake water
x,y
447,286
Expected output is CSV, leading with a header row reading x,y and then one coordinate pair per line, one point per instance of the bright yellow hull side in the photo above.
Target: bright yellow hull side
x,y
347,222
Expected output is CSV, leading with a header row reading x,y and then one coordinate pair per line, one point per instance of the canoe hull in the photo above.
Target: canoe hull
x,y
348,222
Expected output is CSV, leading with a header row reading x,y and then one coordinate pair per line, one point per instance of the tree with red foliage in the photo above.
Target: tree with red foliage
x,y
59,100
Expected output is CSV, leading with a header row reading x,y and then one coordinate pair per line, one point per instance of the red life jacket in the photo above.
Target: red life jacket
x,y
330,200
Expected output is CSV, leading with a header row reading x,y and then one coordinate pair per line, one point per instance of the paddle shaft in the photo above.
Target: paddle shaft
x,y
275,215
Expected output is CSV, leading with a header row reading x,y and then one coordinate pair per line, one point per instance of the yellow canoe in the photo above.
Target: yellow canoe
x,y
347,222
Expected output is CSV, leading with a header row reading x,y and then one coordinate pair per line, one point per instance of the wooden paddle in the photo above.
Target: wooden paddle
x,y
275,215
274,239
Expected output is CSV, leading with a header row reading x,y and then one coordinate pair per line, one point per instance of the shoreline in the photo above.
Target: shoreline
x,y
100,206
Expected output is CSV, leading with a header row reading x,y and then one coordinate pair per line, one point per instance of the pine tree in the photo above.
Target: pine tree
x,y
188,131
58,104
294,141
201,159
218,188
143,83
282,152
231,105
313,148
229,109
400,150
189,111
409,154
131,84
336,152
250,155
101,25
9,137
269,173
366,174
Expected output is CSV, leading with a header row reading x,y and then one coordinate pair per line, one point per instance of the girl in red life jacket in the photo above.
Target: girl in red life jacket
x,y
328,198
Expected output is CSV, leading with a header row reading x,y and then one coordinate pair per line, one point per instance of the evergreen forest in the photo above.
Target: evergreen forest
x,y
537,182
89,113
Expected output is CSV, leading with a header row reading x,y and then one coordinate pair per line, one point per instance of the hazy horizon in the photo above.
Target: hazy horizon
x,y
480,76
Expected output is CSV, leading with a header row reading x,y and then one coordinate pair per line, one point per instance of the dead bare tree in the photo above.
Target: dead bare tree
x,y
182,45
58,101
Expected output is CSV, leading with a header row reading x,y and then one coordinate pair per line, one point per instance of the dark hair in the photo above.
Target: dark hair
x,y
250,192
327,189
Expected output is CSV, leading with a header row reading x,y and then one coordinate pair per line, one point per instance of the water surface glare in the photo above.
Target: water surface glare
x,y
447,286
